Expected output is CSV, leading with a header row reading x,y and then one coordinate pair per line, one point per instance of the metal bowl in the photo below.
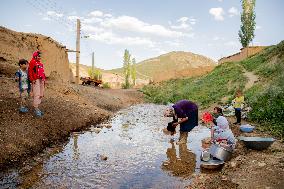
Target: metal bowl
x,y
257,143
220,152
211,164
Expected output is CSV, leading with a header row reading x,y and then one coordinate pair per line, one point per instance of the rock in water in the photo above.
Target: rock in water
x,y
103,157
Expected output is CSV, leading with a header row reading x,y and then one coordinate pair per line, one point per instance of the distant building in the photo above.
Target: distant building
x,y
245,52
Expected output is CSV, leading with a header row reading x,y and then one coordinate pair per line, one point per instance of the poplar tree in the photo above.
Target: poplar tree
x,y
126,68
246,32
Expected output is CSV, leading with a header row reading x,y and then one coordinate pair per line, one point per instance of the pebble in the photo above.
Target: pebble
x,y
103,157
233,164
261,164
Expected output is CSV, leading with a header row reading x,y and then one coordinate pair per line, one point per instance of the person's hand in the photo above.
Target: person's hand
x,y
175,124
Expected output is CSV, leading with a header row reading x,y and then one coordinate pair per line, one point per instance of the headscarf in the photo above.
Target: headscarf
x,y
222,123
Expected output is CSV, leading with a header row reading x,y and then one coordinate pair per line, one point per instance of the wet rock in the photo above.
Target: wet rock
x,y
108,126
103,157
97,130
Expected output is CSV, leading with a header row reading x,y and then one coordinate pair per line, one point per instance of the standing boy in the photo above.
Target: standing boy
x,y
24,84
238,103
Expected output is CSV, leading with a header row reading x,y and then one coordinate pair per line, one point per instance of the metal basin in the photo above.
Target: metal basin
x,y
211,164
246,128
257,143
220,152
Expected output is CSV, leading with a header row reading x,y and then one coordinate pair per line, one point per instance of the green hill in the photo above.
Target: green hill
x,y
172,65
266,96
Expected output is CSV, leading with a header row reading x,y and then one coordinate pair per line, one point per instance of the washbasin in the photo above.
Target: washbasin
x,y
257,143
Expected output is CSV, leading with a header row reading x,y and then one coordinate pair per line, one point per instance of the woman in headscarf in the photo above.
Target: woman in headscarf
x,y
187,114
223,132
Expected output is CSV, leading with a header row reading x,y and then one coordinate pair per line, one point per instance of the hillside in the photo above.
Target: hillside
x,y
172,65
265,96
16,45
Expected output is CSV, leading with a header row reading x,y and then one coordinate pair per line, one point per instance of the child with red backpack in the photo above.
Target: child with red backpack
x,y
37,78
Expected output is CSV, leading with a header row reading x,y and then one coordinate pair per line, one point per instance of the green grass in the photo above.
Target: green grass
x,y
266,97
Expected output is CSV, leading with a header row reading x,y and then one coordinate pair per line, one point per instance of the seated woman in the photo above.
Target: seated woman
x,y
222,132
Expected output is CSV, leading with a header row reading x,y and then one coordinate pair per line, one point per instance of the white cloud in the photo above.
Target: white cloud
x,y
233,11
54,14
192,21
96,13
183,23
111,38
46,18
173,43
218,13
107,15
90,28
72,18
92,20
132,24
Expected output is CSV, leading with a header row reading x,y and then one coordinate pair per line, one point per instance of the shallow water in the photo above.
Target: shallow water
x,y
139,155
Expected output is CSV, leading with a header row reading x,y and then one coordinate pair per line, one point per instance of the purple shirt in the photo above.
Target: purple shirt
x,y
186,108
183,108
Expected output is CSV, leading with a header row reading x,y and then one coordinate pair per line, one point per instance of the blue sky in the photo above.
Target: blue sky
x,y
147,28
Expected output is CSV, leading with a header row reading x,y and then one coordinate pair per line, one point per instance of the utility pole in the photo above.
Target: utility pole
x,y
78,51
93,65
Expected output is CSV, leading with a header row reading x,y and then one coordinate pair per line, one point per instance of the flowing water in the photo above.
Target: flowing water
x,y
139,155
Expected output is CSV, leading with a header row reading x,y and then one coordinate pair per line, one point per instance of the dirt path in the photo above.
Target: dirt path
x,y
252,78
67,108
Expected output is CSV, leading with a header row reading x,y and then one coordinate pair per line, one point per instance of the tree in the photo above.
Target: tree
x,y
133,71
95,74
126,68
246,32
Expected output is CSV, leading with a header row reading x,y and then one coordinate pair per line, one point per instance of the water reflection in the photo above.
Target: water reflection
x,y
182,166
137,150
76,153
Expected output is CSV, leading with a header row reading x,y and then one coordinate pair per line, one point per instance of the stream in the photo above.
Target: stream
x,y
131,151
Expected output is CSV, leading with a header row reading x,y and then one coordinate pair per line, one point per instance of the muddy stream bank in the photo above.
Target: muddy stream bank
x,y
130,151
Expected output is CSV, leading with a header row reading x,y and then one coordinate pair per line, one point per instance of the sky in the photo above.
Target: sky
x,y
147,28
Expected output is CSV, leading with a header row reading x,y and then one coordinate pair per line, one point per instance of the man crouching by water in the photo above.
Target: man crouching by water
x,y
187,114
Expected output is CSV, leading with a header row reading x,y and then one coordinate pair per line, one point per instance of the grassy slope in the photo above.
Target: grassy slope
x,y
266,97
205,90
